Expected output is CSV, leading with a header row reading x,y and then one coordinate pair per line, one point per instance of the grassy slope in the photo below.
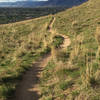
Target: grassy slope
x,y
20,45
75,76
75,72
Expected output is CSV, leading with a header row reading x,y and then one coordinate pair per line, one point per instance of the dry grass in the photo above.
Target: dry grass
x,y
73,72
82,65
21,44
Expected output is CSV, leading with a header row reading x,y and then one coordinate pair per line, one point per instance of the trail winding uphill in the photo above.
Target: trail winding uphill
x,y
28,88
66,42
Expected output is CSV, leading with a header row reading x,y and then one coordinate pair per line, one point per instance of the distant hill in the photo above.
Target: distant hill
x,y
67,3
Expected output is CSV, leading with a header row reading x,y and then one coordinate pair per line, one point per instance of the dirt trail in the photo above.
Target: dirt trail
x,y
66,42
28,87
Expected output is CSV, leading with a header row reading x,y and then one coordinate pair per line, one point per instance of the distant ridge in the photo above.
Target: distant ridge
x,y
49,3
68,3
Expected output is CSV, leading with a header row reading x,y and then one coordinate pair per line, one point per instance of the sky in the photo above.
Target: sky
x,y
19,0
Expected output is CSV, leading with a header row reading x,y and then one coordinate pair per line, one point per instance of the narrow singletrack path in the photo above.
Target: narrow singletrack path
x,y
28,87
66,42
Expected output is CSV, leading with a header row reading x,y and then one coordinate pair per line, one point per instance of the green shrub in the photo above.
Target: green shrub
x,y
57,41
7,90
74,73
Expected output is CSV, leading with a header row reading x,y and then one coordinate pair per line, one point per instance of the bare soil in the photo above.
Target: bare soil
x,y
28,88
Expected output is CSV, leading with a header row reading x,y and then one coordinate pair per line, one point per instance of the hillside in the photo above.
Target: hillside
x,y
75,73
11,15
48,3
70,38
21,44
66,3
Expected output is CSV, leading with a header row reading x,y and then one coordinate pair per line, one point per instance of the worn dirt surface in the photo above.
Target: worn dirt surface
x,y
28,87
67,40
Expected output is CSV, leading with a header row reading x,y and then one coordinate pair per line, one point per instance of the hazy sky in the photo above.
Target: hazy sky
x,y
19,0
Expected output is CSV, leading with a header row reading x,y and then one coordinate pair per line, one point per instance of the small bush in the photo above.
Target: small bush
x,y
7,90
57,41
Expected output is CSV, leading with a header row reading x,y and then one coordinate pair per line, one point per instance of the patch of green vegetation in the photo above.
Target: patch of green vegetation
x,y
74,73
80,62
65,84
7,90
57,41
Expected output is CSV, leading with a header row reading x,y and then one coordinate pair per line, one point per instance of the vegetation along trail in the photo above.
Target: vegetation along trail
x,y
67,40
28,88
